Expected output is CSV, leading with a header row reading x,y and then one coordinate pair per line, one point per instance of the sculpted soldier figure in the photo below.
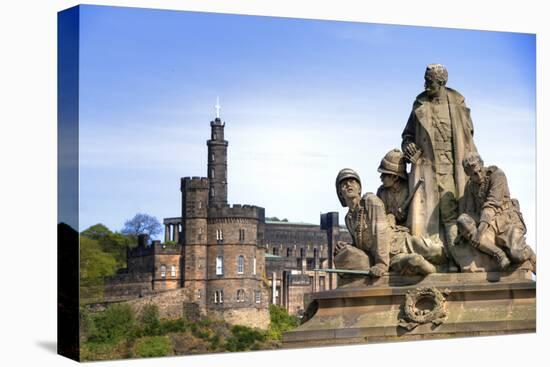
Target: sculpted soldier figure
x,y
374,247
438,134
500,228
394,190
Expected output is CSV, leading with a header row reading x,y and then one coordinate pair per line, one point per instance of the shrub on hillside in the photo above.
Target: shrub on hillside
x,y
280,321
150,322
152,346
113,324
244,338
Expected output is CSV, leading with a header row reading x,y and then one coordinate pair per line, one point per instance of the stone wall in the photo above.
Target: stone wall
x,y
170,303
251,317
127,286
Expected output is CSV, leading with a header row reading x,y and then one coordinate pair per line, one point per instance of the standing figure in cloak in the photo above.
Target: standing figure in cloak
x,y
437,136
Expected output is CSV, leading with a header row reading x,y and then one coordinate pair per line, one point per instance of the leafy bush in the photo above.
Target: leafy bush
x,y
113,324
244,338
152,346
281,321
150,320
86,324
173,326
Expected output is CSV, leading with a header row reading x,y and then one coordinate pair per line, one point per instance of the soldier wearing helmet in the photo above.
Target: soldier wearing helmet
x,y
373,235
367,224
394,189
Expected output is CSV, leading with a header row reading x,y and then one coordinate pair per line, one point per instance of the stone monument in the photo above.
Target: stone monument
x,y
438,252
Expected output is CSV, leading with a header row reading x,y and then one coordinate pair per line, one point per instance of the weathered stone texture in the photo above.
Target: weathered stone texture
x,y
255,318
474,305
170,303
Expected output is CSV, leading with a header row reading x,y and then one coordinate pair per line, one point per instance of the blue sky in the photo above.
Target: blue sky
x,y
301,99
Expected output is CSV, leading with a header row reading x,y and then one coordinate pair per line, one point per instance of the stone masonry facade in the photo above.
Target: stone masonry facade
x,y
213,256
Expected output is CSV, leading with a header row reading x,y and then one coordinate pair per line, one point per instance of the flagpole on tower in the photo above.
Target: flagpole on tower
x,y
217,107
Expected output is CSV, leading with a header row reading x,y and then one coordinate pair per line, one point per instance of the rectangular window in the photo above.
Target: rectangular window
x,y
257,296
241,234
254,266
219,265
163,271
221,296
216,297
240,264
219,235
173,270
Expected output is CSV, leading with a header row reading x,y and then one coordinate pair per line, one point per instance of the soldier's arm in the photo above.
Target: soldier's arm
x,y
498,189
409,133
380,231
468,202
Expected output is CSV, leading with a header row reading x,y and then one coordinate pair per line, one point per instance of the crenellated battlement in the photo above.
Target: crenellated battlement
x,y
194,182
237,211
156,248
140,251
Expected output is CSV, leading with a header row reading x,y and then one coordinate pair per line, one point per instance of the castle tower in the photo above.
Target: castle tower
x,y
217,161
194,237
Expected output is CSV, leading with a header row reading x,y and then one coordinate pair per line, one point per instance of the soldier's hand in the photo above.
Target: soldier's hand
x,y
480,230
339,247
377,271
411,149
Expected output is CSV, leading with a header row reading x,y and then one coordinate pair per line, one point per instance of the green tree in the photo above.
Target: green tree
x,y
113,243
97,232
94,262
280,321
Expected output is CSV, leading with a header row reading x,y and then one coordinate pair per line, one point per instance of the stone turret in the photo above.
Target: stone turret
x,y
217,163
194,239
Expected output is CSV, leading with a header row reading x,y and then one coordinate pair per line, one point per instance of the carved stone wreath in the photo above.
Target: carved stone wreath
x,y
424,305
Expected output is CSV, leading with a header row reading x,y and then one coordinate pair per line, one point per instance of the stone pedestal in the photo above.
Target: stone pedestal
x,y
441,305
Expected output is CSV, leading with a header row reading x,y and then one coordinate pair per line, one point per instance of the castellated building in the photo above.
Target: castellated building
x,y
227,261
214,252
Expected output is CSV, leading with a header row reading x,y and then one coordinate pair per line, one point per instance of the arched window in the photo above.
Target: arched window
x,y
302,252
240,264
288,252
240,295
218,296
